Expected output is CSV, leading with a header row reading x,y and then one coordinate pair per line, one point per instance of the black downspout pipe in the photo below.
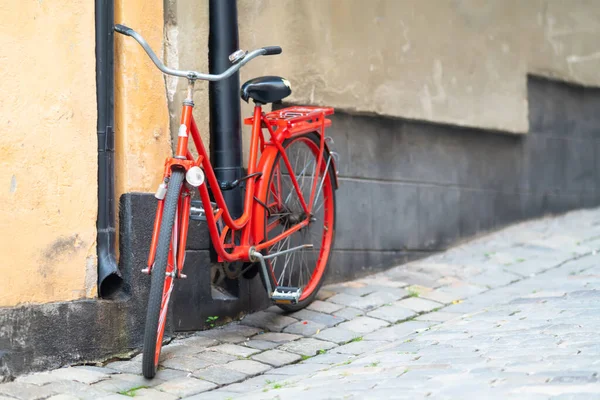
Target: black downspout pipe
x,y
109,277
224,101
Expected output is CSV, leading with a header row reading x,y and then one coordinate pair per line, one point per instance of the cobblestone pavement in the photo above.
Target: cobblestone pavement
x,y
512,315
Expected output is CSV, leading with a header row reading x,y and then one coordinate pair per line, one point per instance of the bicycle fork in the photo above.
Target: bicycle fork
x,y
179,240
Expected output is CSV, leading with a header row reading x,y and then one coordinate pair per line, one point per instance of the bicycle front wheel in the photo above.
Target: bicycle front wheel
x,y
161,285
304,269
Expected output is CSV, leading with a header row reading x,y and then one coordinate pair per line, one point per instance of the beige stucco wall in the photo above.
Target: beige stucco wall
x,y
461,62
48,151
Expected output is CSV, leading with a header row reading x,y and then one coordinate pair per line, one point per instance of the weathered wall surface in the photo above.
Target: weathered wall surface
x,y
48,151
462,62
418,187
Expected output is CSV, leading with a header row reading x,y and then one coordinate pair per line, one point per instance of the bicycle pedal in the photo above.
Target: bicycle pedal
x,y
197,212
286,295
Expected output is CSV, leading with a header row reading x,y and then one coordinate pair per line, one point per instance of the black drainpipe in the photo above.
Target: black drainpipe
x,y
109,277
224,101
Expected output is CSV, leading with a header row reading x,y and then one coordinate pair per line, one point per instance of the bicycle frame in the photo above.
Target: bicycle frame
x,y
297,120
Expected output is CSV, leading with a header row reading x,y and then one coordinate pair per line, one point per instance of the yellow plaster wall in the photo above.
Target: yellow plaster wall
x,y
48,156
142,140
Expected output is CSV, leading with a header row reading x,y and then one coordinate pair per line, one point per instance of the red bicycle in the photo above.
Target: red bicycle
x,y
287,227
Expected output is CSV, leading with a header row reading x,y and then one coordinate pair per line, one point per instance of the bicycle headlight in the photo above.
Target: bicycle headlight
x,y
195,176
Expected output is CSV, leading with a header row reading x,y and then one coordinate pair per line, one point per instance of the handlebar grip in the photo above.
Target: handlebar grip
x,y
124,30
272,50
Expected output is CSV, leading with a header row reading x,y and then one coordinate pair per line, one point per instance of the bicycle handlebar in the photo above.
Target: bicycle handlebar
x,y
272,50
265,51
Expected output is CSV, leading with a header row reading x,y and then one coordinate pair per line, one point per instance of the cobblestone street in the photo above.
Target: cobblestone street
x,y
512,314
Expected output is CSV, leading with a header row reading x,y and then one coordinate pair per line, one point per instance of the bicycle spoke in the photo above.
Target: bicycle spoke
x,y
281,244
300,185
322,180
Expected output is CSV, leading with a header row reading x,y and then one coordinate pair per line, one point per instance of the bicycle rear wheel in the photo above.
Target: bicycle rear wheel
x,y
304,269
161,285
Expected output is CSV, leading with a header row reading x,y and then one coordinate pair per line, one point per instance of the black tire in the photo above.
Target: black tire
x,y
159,273
315,137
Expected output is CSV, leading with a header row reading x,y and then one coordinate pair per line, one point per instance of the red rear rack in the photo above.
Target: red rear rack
x,y
298,119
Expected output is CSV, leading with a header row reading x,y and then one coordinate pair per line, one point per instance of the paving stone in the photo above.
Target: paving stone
x,y
493,278
324,294
184,363
124,382
419,305
324,306
248,367
276,358
438,316
297,369
165,374
80,375
419,289
152,394
533,266
410,277
215,358
367,302
257,383
345,300
38,379
129,366
197,343
235,333
337,335
220,394
178,350
269,321
304,328
81,390
363,324
261,344
382,280
94,368
360,347
278,337
114,396
307,346
329,359
55,397
275,310
353,288
320,318
183,387
397,332
439,296
234,350
349,313
220,375
392,313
